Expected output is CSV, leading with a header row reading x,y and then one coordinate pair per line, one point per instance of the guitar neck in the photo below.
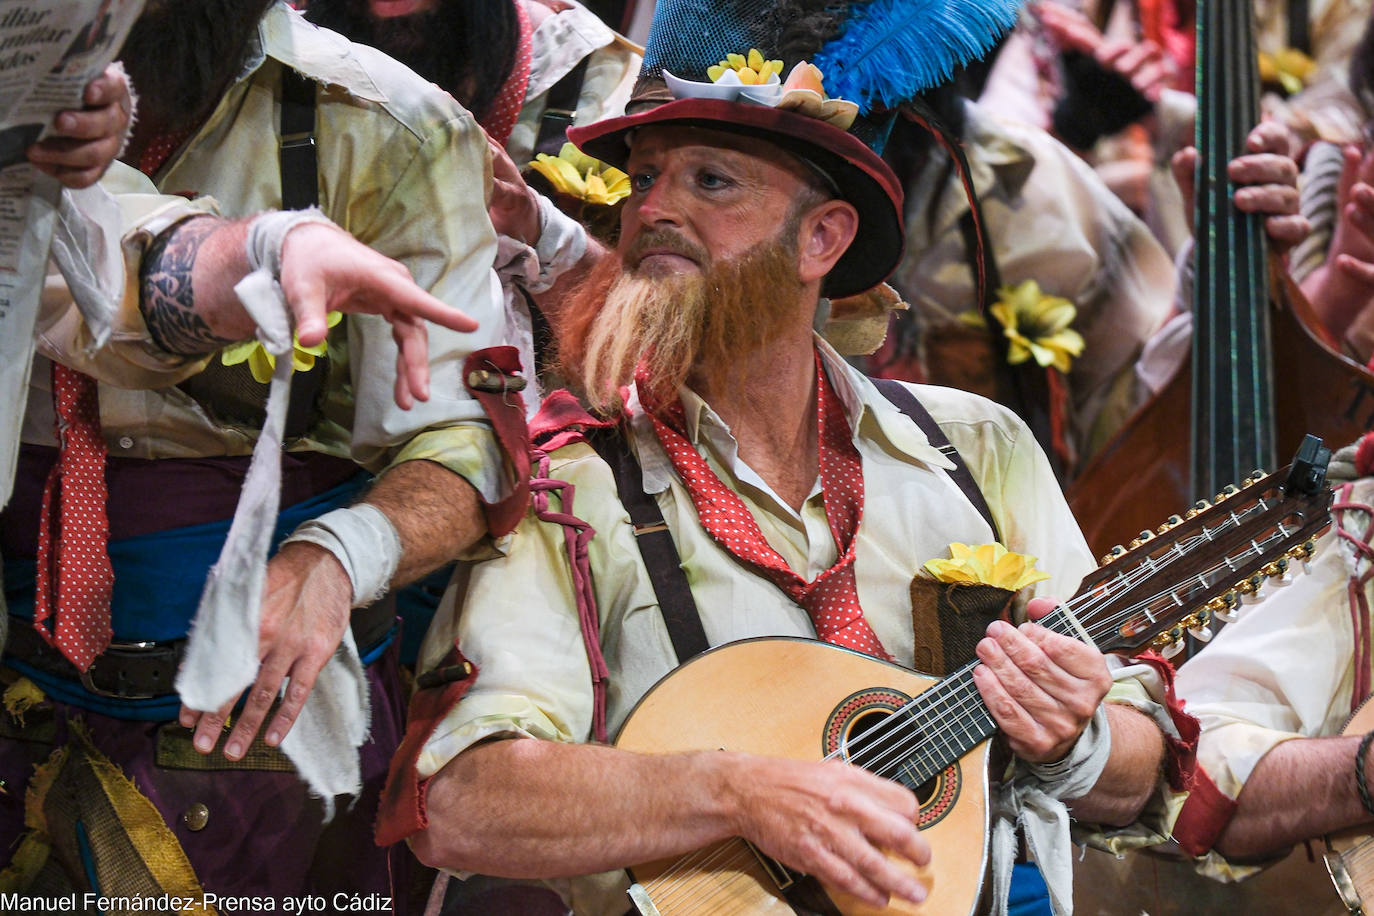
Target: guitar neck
x,y
1153,593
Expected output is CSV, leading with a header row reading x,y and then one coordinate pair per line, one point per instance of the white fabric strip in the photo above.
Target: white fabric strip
x,y
222,654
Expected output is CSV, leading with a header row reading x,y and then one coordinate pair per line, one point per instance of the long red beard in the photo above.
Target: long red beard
x,y
677,325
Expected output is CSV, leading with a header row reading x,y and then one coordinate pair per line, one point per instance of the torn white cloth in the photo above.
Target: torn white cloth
x,y
365,543
1032,800
86,249
222,651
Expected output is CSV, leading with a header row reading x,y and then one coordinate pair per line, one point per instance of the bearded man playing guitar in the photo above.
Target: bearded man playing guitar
x,y
762,450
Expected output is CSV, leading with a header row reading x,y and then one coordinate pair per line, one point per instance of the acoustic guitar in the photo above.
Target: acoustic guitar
x,y
1350,853
808,700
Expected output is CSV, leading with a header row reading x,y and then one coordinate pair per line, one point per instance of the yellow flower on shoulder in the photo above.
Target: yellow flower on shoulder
x,y
752,69
1289,67
1037,325
578,175
986,564
261,363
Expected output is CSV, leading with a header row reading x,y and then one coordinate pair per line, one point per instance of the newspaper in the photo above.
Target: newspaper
x,y
49,51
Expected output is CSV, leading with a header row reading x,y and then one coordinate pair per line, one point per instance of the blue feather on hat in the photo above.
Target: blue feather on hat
x,y
890,50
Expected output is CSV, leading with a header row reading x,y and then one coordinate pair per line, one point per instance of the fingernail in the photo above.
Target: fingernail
x,y
274,738
914,892
203,743
235,749
998,627
66,122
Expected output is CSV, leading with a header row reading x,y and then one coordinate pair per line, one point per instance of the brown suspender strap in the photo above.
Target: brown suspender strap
x,y
906,402
655,544
299,168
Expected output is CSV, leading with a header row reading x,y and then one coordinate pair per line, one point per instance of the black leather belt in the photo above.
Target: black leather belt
x,y
145,670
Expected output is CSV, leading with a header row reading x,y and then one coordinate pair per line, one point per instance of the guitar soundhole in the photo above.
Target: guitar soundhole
x,y
855,731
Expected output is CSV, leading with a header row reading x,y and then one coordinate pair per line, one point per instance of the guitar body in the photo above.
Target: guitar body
x,y
800,699
1350,853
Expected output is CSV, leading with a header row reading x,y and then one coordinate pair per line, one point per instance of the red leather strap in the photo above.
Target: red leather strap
x,y
492,376
401,811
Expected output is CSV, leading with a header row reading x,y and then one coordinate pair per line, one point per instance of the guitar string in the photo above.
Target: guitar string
x,y
739,852
954,690
702,859
966,690
920,710
964,714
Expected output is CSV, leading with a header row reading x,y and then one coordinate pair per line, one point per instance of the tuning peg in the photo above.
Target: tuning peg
x,y
1173,648
1226,492
1142,537
1225,607
1255,477
1172,521
1199,506
1112,555
1250,588
1201,632
1278,572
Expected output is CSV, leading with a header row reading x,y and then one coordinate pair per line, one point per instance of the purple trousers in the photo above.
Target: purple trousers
x,y
264,834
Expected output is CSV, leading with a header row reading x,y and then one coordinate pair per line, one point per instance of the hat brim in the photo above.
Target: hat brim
x,y
862,177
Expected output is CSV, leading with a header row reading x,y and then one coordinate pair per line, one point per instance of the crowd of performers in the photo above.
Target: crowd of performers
x,y
521,452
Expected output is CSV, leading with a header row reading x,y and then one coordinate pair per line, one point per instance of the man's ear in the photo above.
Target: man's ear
x,y
826,232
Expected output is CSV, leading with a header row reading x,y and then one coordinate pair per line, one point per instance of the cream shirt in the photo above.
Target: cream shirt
x,y
402,168
515,616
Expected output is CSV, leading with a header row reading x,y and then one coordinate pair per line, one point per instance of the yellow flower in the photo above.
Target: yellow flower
x,y
1037,324
986,564
1290,68
578,175
261,363
751,69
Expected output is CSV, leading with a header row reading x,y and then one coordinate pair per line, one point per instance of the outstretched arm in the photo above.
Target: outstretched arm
x,y
190,306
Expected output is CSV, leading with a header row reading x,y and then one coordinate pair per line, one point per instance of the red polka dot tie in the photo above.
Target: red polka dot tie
x,y
73,578
505,108
832,598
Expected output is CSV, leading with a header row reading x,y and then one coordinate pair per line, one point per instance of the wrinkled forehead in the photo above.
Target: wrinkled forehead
x,y
656,141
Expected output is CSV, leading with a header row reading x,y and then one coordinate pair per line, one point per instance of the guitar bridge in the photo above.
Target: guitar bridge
x,y
777,872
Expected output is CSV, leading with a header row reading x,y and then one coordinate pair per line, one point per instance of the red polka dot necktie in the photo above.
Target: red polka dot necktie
x,y
505,108
832,598
73,577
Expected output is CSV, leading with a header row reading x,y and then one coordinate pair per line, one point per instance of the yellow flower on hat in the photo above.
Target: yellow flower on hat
x,y
261,363
578,175
752,69
1290,68
1036,325
986,564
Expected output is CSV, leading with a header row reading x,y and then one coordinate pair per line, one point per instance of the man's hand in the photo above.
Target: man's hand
x,y
514,207
1042,688
190,307
83,142
833,821
1143,63
1343,286
324,269
1270,177
305,611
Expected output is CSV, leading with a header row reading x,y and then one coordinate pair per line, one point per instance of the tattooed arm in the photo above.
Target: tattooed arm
x,y
189,305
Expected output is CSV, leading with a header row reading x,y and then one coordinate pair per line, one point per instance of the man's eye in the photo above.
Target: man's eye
x,y
642,181
711,181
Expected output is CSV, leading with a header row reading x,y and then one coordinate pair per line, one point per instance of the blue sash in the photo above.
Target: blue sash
x,y
158,582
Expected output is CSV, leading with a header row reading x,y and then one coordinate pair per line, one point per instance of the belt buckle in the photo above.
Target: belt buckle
x,y
90,685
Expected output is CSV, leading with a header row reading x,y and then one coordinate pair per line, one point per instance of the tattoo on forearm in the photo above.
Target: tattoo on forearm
x,y
165,290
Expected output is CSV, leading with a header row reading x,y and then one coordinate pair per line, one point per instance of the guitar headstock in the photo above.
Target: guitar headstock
x,y
1199,566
